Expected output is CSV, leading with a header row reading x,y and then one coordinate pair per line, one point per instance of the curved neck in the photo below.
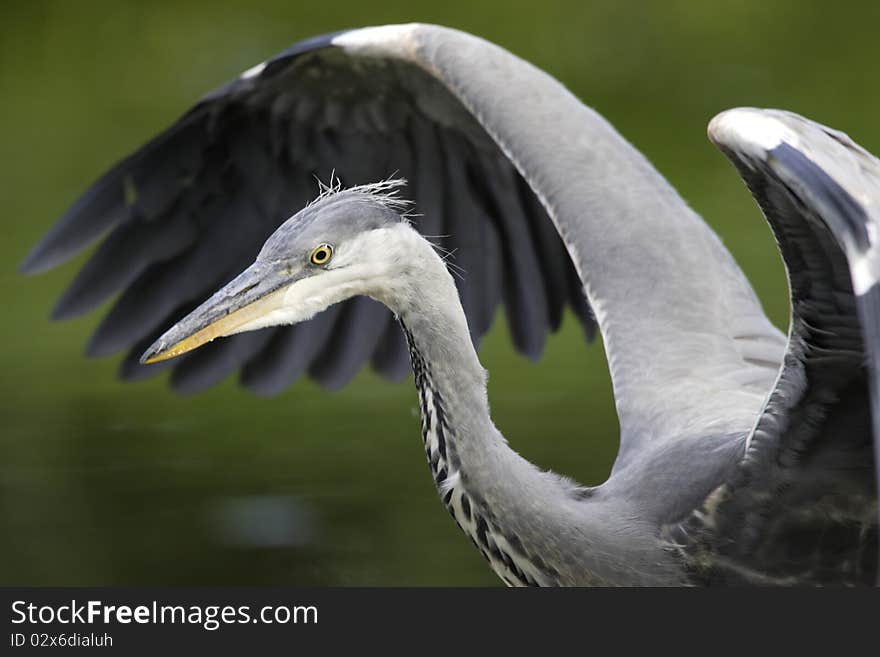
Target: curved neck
x,y
515,513
654,273
465,451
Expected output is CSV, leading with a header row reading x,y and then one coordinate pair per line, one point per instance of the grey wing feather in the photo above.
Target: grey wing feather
x,y
391,358
206,367
464,234
801,505
191,209
527,304
354,339
553,259
122,258
289,354
109,200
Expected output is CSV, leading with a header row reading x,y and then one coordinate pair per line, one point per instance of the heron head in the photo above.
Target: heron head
x,y
346,243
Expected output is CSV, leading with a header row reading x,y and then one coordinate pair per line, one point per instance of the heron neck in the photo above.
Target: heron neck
x,y
463,448
513,512
450,380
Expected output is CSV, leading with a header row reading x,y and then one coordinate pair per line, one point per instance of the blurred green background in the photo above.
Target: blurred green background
x,y
110,483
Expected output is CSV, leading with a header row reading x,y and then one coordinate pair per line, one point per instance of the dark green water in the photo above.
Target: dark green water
x,y
105,483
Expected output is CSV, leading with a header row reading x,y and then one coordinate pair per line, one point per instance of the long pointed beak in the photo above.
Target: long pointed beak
x,y
241,305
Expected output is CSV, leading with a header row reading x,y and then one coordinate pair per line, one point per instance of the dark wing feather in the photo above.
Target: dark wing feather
x,y
223,357
465,240
391,358
191,209
122,258
355,338
562,284
529,316
289,354
171,158
801,506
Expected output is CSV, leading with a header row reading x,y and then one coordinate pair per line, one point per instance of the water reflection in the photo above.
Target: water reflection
x,y
262,521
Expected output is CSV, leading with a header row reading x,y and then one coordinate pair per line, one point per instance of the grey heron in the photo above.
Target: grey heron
x,y
746,456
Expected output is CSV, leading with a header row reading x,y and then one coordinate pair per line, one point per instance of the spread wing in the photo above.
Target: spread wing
x,y
801,505
189,210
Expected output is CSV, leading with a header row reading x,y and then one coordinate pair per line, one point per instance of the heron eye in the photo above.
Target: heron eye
x,y
321,254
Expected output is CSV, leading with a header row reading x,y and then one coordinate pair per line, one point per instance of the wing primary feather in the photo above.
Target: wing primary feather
x,y
94,212
225,251
128,183
288,354
355,336
131,369
214,362
552,255
391,358
525,301
491,253
465,241
428,185
122,257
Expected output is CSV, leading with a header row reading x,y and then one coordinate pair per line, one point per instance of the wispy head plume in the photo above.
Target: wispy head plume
x,y
386,192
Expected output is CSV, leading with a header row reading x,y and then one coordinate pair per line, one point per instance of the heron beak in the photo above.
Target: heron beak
x,y
241,305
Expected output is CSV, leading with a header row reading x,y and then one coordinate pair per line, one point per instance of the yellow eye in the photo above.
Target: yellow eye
x,y
321,254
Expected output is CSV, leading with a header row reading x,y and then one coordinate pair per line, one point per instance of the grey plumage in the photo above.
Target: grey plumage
x,y
745,457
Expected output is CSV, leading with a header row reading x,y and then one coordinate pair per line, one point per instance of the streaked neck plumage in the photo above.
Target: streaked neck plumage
x,y
534,527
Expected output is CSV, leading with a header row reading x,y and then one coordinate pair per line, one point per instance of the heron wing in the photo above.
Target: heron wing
x,y
689,348
800,506
189,210
481,134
